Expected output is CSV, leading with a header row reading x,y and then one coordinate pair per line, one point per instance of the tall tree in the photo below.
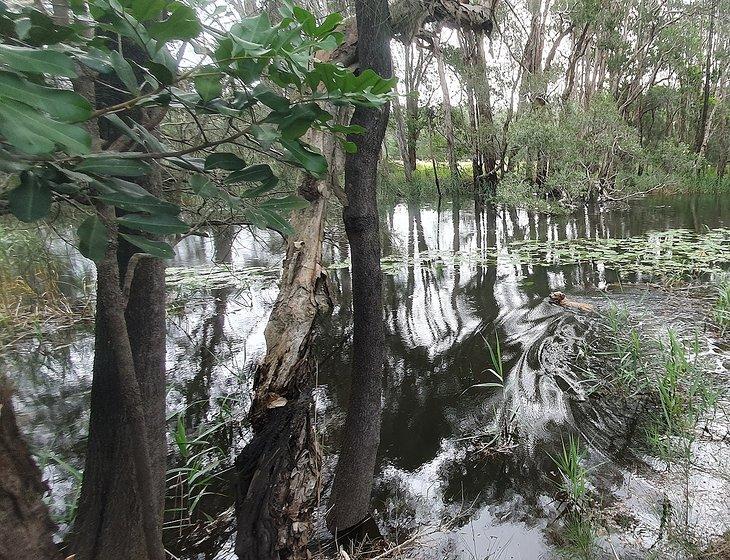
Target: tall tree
x,y
352,486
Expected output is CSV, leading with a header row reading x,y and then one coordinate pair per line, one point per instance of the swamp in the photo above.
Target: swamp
x,y
270,291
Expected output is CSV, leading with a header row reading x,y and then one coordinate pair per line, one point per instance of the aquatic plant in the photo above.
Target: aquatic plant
x,y
671,255
579,535
722,305
573,475
201,462
497,369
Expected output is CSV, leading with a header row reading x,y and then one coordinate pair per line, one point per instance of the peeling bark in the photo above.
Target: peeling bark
x,y
278,470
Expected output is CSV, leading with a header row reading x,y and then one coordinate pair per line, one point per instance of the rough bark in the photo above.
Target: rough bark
x,y
352,486
27,529
121,503
408,18
278,470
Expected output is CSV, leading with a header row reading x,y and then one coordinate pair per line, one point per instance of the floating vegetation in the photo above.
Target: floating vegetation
x,y
676,252
218,276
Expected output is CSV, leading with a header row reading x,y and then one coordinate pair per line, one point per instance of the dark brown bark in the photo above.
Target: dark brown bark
x,y
352,486
26,529
121,503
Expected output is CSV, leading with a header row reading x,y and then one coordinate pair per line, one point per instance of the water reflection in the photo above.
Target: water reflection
x,y
438,317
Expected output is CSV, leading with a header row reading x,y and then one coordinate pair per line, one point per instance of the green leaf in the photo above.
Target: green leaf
x,y
114,166
350,147
155,248
301,154
182,24
34,133
125,72
37,61
208,83
224,160
63,105
291,202
161,72
144,10
202,186
132,197
96,59
276,222
160,224
93,238
30,200
258,172
271,99
265,134
264,187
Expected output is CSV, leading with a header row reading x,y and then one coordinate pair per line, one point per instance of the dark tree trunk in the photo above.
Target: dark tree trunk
x,y
702,125
26,529
350,498
121,506
114,521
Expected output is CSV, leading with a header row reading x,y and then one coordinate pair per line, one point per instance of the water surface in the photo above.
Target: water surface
x,y
435,468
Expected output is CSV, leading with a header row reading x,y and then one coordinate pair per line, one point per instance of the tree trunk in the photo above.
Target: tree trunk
x,y
27,529
485,120
702,125
278,470
412,94
446,104
122,495
352,486
121,504
400,136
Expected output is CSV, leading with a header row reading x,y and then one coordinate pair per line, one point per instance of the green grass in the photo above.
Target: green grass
x,y
721,311
393,185
573,475
578,535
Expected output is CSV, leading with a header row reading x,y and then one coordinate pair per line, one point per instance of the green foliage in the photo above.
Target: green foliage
x,y
263,78
722,305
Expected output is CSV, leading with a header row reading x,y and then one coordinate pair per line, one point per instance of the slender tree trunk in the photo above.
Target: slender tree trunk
x,y
446,104
412,95
702,125
26,529
352,486
400,136
485,119
432,154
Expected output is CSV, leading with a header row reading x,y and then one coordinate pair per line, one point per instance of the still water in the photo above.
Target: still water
x,y
452,289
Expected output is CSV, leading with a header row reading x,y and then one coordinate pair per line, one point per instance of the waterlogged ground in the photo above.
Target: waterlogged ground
x,y
470,468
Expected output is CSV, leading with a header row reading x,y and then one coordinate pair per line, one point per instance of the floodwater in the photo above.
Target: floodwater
x,y
437,472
